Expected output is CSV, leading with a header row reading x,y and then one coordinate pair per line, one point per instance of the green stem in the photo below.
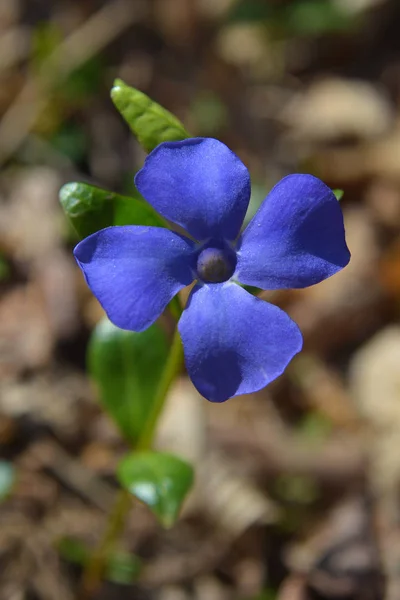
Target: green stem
x,y
172,368
94,570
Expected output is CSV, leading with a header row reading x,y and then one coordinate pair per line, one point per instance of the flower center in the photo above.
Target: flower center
x,y
215,265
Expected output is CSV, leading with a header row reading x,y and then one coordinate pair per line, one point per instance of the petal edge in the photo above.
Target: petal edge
x,y
135,271
233,342
199,184
296,238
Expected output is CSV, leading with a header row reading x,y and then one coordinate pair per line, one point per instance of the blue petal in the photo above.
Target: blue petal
x,y
135,271
235,343
198,184
295,239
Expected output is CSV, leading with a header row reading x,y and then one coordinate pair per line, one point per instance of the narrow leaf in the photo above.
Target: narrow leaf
x,y
149,122
90,209
127,367
159,480
338,194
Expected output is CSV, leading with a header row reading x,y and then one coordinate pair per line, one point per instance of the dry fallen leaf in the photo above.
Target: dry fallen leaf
x,y
334,108
26,340
374,378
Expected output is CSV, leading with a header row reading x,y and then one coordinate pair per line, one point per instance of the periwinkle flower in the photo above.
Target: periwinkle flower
x,y
234,343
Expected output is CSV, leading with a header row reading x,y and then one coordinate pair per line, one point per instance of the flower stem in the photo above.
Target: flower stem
x,y
172,368
95,568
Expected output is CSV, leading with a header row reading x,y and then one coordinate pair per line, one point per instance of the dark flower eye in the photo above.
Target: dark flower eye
x,y
215,265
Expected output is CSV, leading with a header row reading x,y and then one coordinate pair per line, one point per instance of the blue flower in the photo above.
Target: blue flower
x,y
234,343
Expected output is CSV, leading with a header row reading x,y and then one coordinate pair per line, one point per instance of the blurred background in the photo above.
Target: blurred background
x,y
297,494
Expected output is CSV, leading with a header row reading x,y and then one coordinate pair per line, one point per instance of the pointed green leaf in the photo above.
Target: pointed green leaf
x,y
338,194
126,367
159,480
90,208
149,122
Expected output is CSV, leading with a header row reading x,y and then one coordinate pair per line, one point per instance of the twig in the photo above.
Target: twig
x,y
185,566
338,461
14,47
74,475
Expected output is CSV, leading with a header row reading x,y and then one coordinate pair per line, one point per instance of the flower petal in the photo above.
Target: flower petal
x,y
295,239
135,271
199,184
235,343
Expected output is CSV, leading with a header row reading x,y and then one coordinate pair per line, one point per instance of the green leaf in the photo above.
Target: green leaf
x,y
45,39
338,194
71,140
74,550
300,489
159,480
250,11
121,567
268,594
7,478
313,17
149,122
83,82
5,269
127,367
314,428
90,208
209,113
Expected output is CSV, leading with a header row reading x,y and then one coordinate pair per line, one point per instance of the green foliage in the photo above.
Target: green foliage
x,y
80,83
299,489
251,11
266,595
314,428
298,17
209,113
70,139
45,39
90,208
258,194
73,550
121,567
313,17
126,367
7,478
150,122
5,270
159,480
83,82
338,194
